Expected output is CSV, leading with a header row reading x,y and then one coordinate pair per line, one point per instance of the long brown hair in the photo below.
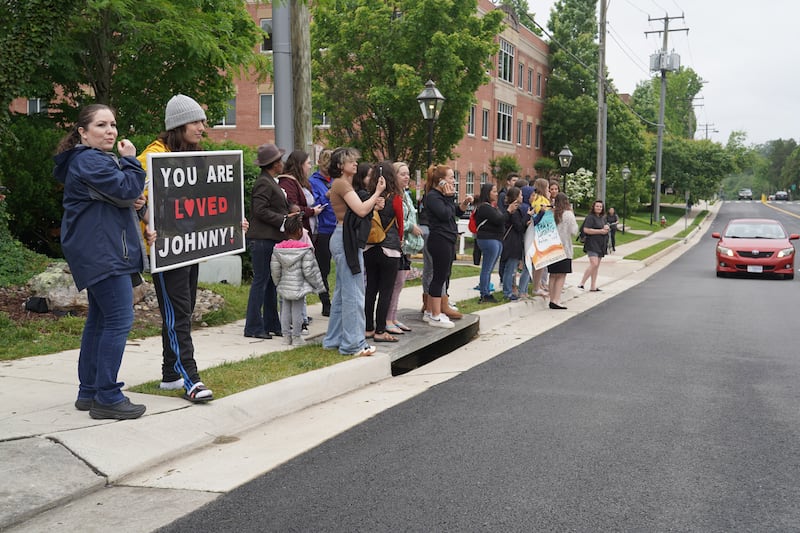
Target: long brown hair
x,y
294,167
85,117
561,204
175,140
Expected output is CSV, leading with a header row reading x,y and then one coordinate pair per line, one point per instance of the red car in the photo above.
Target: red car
x,y
755,246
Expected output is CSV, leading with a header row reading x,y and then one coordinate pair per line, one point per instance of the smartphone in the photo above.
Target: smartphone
x,y
442,183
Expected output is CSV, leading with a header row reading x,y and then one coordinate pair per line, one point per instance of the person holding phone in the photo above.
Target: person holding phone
x,y
492,221
320,182
442,210
347,321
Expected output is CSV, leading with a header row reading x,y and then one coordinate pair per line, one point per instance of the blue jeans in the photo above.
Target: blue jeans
x,y
262,304
106,329
347,321
508,274
524,280
490,249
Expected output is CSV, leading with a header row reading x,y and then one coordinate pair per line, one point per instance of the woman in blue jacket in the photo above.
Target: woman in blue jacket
x,y
101,241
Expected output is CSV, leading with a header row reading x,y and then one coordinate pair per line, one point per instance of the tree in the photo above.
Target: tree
x,y
135,56
26,35
502,167
570,113
371,59
682,88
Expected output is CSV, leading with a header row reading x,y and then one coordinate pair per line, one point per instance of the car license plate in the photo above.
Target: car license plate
x,y
756,269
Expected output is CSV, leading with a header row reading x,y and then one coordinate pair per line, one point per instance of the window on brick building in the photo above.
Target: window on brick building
x,y
230,117
538,138
528,128
519,131
539,84
530,80
485,125
266,25
504,120
520,72
505,61
471,121
470,182
36,106
267,111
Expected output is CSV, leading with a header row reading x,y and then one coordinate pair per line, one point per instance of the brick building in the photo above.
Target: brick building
x,y
505,120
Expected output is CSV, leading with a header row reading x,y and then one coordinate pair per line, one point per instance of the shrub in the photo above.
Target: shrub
x,y
34,196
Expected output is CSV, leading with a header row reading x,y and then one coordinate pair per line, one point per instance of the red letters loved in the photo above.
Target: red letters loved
x,y
202,207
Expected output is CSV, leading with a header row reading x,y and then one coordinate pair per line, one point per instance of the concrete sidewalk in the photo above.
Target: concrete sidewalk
x,y
53,454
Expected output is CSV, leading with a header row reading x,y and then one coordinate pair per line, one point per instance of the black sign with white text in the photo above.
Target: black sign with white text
x,y
196,204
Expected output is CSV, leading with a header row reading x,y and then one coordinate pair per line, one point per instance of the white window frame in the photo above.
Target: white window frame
x,y
36,106
262,99
528,133
229,120
530,81
505,117
266,48
538,138
505,61
471,122
470,182
485,125
538,84
520,72
519,132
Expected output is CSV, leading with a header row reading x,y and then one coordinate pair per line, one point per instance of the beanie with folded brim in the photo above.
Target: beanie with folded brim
x,y
182,110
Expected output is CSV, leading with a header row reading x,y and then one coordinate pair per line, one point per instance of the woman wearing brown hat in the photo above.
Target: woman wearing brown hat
x,y
268,209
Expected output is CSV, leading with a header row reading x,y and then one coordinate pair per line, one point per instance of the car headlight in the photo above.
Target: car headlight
x,y
786,252
721,250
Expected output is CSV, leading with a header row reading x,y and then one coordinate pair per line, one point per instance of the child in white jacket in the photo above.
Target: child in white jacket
x,y
295,273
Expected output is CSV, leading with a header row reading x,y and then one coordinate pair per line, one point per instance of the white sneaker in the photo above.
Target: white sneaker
x,y
171,385
441,321
426,316
286,340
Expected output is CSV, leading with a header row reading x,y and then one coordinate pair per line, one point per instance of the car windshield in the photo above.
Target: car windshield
x,y
755,231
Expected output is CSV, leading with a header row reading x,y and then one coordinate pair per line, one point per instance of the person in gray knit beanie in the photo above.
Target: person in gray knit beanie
x,y
182,110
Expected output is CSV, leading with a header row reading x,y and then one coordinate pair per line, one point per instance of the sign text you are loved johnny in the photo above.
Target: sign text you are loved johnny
x,y
196,202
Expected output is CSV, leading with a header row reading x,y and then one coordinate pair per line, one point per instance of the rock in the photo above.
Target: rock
x,y
56,285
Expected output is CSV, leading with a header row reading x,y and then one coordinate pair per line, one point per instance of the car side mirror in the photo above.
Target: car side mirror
x,y
715,235
794,237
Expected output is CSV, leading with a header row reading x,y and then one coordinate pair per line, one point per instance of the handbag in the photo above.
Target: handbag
x,y
377,232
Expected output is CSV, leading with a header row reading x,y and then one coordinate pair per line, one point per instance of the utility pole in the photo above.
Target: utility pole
x,y
663,63
301,76
602,109
283,103
706,127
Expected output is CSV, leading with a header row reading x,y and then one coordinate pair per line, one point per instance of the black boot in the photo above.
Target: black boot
x,y
325,298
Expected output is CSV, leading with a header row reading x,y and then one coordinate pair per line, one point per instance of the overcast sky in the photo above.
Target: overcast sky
x,y
743,50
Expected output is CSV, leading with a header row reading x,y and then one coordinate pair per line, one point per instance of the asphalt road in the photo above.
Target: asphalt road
x,y
671,407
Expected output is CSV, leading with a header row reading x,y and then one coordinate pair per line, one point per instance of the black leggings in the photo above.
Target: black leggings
x,y
442,253
381,272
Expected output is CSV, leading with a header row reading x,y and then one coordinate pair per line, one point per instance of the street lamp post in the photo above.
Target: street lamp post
x,y
652,196
564,159
430,103
626,173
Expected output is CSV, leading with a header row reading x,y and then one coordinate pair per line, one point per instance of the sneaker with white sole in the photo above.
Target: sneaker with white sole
x,y
441,321
171,385
426,317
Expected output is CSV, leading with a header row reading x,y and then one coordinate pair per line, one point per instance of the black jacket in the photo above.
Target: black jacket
x,y
355,230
